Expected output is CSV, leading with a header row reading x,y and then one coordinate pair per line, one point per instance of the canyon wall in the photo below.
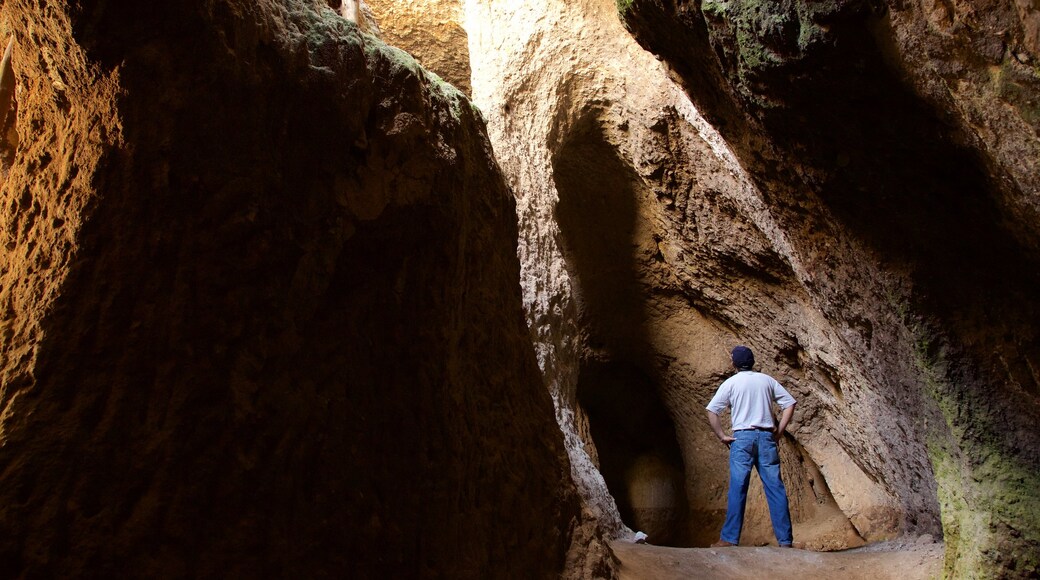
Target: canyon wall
x,y
847,187
897,144
647,252
260,308
272,306
431,31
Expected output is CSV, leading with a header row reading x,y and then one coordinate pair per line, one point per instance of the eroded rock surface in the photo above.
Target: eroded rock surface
x,y
431,31
863,216
647,252
260,309
897,146
260,301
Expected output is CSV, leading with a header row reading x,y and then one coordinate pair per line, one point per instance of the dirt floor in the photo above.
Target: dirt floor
x,y
897,560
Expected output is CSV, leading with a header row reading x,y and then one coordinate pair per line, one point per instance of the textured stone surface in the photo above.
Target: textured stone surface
x,y
260,310
899,561
431,31
898,145
358,12
647,252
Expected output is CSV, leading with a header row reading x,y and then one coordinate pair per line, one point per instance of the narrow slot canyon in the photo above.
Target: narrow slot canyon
x,y
441,288
638,454
630,426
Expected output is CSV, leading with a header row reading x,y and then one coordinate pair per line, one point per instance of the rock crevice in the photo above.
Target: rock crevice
x,y
261,309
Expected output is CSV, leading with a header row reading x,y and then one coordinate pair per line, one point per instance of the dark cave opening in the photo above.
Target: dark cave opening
x,y
639,455
631,428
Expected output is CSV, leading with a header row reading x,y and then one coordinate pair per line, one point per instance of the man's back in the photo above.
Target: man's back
x,y
753,444
750,396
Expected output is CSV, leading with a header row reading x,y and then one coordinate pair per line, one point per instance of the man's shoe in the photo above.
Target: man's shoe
x,y
786,546
722,544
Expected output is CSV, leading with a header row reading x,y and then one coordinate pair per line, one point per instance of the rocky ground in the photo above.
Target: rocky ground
x,y
905,559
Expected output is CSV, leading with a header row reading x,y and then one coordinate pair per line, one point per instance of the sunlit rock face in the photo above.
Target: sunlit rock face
x,y
261,313
431,31
896,146
647,252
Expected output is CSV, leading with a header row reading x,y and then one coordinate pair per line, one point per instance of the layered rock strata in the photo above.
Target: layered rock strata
x,y
260,308
898,147
851,191
647,251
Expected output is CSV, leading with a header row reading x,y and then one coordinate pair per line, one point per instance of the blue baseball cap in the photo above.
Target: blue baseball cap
x,y
743,358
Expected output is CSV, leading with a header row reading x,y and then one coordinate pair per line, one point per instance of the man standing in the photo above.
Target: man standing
x,y
750,396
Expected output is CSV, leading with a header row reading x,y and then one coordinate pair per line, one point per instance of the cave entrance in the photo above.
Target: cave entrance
x,y
632,430
639,456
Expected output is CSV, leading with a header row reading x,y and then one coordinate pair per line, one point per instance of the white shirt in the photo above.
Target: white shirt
x,y
750,396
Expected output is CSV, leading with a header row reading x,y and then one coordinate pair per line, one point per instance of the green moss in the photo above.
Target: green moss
x,y
809,34
1018,87
768,41
756,34
401,62
990,513
952,505
755,24
448,92
752,53
714,9
623,6
397,59
987,496
320,28
988,503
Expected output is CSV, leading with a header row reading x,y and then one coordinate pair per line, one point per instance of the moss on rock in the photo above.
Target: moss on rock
x,y
759,36
987,494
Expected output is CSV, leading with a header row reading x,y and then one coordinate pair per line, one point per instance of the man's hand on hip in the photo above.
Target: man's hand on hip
x,y
785,419
713,420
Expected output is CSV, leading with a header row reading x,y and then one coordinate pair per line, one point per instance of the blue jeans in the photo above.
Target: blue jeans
x,y
756,449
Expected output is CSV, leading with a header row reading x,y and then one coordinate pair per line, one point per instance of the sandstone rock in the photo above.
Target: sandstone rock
x,y
431,31
8,109
260,301
899,152
261,313
646,253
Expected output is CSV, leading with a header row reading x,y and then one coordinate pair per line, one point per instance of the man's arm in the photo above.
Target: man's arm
x,y
785,418
716,426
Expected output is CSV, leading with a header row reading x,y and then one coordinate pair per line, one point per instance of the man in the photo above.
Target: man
x,y
750,396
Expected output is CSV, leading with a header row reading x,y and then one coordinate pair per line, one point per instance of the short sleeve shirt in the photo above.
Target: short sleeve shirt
x,y
750,396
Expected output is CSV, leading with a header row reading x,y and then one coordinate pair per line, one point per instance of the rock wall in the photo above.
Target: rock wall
x,y
898,145
431,31
260,309
647,252
832,185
